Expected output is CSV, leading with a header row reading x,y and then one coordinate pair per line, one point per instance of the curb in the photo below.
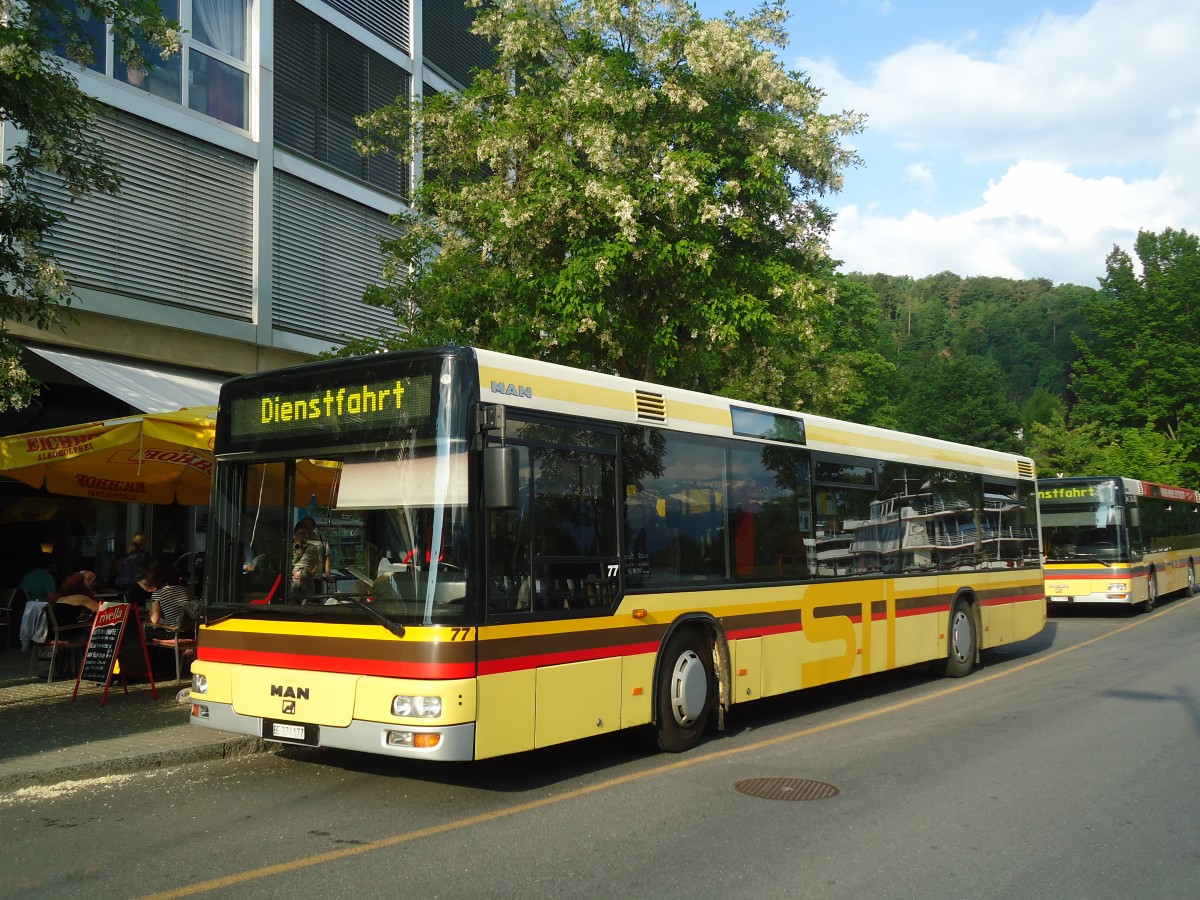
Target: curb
x,y
138,762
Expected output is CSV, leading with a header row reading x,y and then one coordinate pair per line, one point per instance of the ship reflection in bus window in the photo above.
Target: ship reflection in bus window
x,y
924,520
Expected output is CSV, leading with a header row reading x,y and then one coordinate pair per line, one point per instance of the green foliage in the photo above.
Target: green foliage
x,y
1021,328
1042,407
841,373
631,187
1149,454
1089,449
1061,451
1138,373
39,95
961,399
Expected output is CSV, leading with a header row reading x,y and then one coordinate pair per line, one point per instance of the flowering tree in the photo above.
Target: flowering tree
x,y
56,120
629,187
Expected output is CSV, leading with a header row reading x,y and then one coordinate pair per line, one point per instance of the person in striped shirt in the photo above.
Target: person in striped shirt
x,y
168,601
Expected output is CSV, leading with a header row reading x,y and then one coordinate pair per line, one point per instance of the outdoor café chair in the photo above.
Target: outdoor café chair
x,y
8,602
183,638
66,638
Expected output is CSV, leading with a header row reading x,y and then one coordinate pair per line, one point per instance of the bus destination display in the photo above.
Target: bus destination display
x,y
339,409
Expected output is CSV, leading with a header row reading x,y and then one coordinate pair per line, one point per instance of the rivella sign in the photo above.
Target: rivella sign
x,y
336,409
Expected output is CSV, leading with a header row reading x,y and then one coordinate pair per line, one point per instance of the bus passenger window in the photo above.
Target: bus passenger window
x,y
556,550
771,516
575,528
675,508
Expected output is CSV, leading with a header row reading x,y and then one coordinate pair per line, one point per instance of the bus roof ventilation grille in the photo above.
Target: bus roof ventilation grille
x,y
651,407
1024,469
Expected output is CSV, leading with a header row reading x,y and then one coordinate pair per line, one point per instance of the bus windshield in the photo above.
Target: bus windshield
x,y
373,530
1088,525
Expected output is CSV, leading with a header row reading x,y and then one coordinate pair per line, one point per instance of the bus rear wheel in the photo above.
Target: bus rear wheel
x,y
684,692
962,640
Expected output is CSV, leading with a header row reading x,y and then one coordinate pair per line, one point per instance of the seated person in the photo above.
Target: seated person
x,y
168,603
139,592
38,583
82,582
306,562
74,608
76,598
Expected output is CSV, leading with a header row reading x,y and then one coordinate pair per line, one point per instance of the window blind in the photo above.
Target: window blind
x,y
326,252
179,232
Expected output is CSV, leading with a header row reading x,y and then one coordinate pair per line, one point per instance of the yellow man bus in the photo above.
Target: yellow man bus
x,y
522,554
1119,541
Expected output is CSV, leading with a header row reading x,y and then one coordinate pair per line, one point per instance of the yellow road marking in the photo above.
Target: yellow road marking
x,y
457,824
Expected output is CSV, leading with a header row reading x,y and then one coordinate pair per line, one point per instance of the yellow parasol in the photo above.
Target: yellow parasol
x,y
149,458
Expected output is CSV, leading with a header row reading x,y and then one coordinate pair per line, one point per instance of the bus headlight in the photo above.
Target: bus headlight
x,y
418,707
199,684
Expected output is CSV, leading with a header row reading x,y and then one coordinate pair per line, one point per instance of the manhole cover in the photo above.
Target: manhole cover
x,y
786,789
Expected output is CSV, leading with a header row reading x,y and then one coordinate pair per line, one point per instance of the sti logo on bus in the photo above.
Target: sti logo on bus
x,y
512,390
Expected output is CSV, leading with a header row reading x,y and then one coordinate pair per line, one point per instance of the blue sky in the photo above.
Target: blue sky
x,y
1005,137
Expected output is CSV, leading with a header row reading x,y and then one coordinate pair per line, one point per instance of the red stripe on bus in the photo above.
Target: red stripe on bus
x,y
740,634
1091,574
382,667
1012,598
521,663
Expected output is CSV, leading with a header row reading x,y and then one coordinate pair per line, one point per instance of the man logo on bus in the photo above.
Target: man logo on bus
x,y
294,693
512,390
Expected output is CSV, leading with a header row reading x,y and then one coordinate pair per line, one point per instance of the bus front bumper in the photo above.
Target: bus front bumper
x,y
447,743
1122,597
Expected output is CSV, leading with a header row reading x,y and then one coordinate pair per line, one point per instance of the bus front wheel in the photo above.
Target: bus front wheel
x,y
1151,594
962,640
684,692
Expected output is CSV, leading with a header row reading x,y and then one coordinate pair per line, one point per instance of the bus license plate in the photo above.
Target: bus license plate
x,y
290,732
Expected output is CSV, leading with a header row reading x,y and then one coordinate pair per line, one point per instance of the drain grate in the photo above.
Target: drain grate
x,y
786,789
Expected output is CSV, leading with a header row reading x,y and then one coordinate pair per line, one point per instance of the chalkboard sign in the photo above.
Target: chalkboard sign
x,y
116,637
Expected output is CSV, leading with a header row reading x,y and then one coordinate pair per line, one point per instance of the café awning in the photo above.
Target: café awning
x,y
152,458
145,386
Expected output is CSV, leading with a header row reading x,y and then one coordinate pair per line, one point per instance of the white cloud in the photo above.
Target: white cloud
x,y
1086,89
1089,123
1038,220
920,175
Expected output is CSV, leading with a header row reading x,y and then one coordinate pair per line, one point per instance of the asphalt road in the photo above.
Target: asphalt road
x,y
1066,767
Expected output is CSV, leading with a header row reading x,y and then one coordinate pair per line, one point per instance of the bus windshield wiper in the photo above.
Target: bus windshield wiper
x,y
394,627
1086,557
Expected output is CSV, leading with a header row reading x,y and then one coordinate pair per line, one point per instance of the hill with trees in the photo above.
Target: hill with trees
x,y
1087,381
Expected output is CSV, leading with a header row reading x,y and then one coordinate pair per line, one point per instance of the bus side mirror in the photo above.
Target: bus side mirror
x,y
1135,517
500,477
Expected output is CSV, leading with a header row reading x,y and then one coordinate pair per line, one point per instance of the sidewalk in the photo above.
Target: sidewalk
x,y
45,738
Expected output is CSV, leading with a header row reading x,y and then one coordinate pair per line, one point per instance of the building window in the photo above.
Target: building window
x,y
388,19
450,48
218,76
215,54
325,254
180,232
324,80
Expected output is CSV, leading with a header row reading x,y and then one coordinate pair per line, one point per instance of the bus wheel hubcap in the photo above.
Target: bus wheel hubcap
x,y
689,688
961,635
